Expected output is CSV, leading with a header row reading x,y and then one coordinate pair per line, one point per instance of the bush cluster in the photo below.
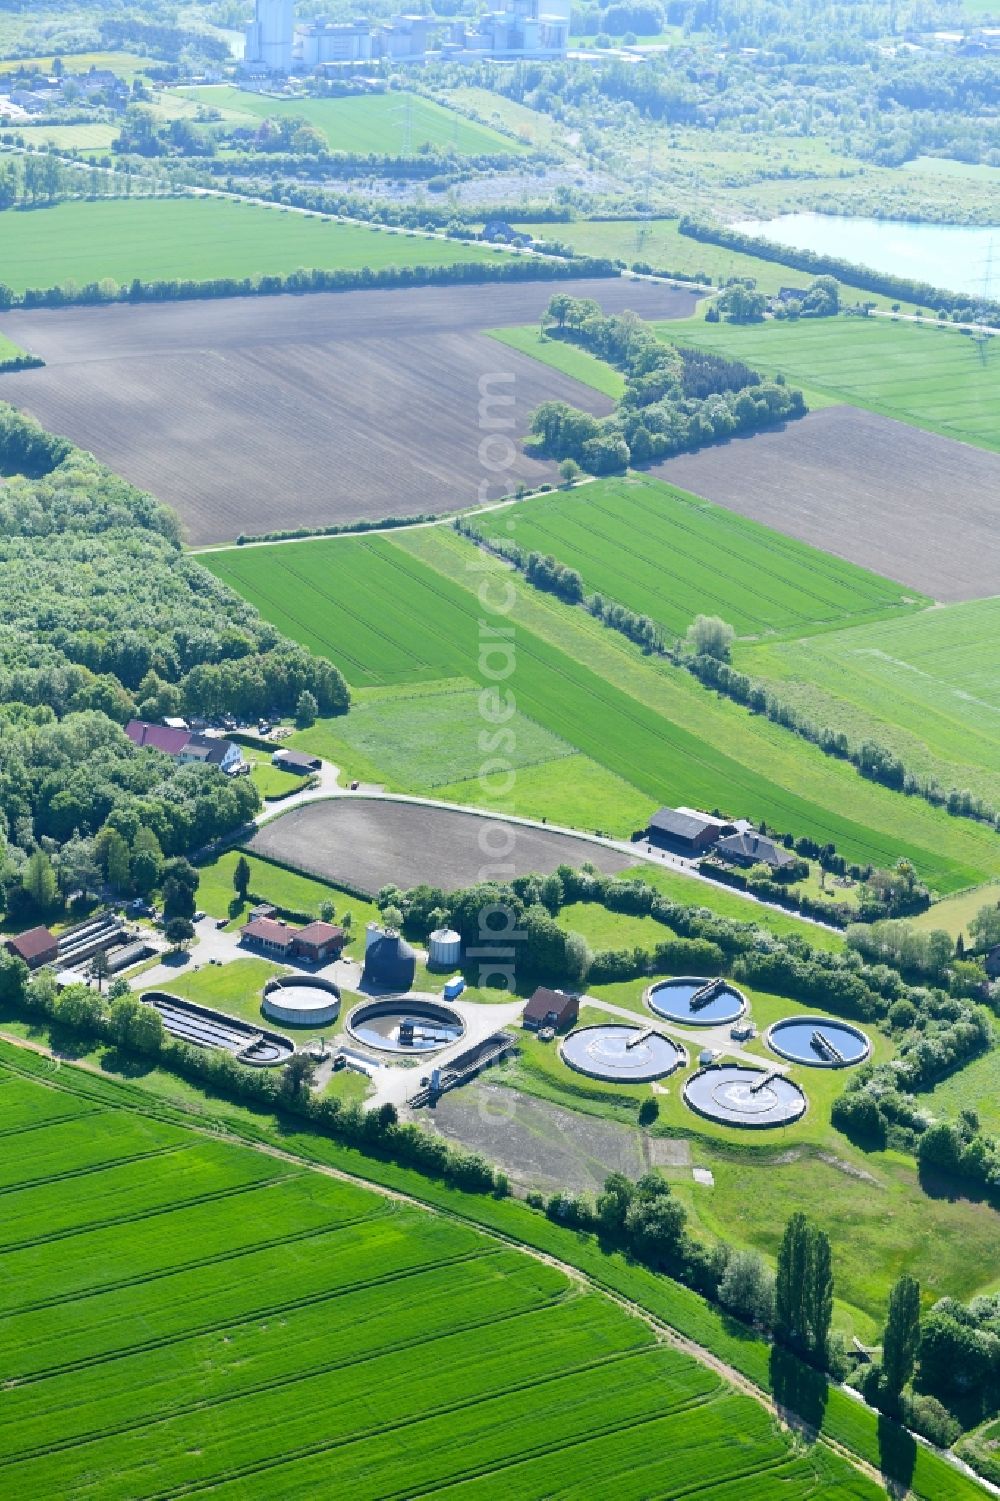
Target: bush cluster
x,y
660,413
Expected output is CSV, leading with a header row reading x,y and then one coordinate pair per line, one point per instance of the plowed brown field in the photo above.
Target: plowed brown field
x,y
921,509
257,414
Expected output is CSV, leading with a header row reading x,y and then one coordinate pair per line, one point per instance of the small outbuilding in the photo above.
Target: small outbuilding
x,y
36,947
992,963
550,1008
298,762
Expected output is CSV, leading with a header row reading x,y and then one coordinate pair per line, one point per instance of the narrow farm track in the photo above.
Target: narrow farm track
x,y
663,1331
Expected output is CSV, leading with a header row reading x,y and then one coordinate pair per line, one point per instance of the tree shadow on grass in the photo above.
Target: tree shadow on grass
x,y
125,1065
937,1184
799,1391
897,1455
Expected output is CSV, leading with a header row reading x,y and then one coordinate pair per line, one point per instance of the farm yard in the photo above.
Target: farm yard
x,y
199,239
867,489
375,842
414,617
934,378
368,123
172,1302
671,556
331,407
928,684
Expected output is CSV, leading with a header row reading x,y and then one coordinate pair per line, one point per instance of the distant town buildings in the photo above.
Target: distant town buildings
x,y
522,28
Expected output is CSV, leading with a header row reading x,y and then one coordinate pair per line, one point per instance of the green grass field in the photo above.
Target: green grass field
x,y
272,883
125,64
954,912
199,239
671,555
374,123
433,739
532,126
935,378
412,616
927,684
947,166
233,988
658,243
69,137
578,363
174,1301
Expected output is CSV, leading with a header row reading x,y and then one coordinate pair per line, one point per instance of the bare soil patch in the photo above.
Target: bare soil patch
x,y
375,842
259,414
537,1144
916,507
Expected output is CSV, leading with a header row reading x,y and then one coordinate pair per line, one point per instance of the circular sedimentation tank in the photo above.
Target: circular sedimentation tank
x,y
818,1042
696,1001
621,1054
749,1097
405,1024
301,1001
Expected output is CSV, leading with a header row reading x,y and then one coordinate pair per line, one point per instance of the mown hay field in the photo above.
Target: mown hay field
x,y
376,123
198,239
671,556
405,610
930,679
182,1314
934,378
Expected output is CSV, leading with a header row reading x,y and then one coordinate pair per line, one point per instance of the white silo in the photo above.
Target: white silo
x,y
372,935
445,948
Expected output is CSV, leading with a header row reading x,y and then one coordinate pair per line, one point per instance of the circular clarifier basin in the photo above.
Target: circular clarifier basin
x,y
818,1042
405,1025
301,1001
748,1097
623,1055
696,1002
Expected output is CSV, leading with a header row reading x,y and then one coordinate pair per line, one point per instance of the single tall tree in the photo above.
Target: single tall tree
x,y
901,1339
803,1289
790,1282
39,881
819,1293
241,878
